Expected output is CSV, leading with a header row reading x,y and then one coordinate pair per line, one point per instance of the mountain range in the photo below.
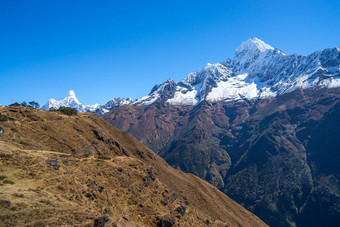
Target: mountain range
x,y
70,100
256,71
261,127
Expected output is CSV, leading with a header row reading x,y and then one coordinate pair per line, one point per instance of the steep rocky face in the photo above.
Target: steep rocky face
x,y
81,171
276,156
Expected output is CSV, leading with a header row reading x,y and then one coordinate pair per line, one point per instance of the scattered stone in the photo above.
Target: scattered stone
x,y
146,181
170,199
1,130
44,127
98,135
120,169
165,222
180,209
5,203
54,163
101,189
17,195
67,163
101,221
91,196
93,185
152,174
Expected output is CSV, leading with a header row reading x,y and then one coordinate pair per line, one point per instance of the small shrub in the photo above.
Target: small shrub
x,y
23,143
2,177
104,158
3,118
86,155
34,104
14,129
68,111
8,182
14,104
134,165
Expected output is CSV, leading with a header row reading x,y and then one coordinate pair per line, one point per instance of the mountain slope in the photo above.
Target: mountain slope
x,y
250,126
79,170
277,157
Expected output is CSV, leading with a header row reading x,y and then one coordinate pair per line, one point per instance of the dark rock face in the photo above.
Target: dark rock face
x,y
98,135
277,157
101,221
55,164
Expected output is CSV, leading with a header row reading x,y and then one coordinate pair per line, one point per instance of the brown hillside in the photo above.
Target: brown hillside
x,y
61,170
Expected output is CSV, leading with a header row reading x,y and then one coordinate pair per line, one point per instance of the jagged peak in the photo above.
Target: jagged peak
x,y
71,93
252,45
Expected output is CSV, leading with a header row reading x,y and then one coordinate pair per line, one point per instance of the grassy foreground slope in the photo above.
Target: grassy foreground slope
x,y
79,170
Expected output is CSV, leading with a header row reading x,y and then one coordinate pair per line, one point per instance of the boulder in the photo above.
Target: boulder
x,y
100,188
165,222
101,221
55,164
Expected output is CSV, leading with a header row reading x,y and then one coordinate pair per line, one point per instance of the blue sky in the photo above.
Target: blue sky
x,y
106,49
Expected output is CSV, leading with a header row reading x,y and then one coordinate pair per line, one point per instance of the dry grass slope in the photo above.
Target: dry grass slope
x,y
61,170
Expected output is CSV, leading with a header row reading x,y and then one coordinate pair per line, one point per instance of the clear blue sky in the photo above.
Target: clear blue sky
x,y
106,49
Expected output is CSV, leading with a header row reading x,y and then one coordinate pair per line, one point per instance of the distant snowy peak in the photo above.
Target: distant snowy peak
x,y
257,71
115,102
251,46
70,100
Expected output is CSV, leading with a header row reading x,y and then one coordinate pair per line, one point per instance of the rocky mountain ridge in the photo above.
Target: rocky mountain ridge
x,y
256,71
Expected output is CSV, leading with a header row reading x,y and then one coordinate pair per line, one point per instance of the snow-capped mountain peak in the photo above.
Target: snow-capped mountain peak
x,y
71,93
70,100
251,46
257,71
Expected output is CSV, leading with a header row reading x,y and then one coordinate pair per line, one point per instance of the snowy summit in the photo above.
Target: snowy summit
x,y
257,70
70,100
